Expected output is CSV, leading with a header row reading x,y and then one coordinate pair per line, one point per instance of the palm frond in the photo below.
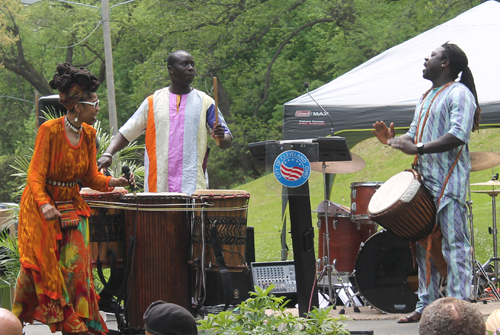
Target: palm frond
x,y
50,114
10,259
21,165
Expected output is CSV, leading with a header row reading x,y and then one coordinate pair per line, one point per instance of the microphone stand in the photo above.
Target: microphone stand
x,y
332,132
330,268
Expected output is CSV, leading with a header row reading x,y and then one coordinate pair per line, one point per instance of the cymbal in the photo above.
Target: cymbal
x,y
487,183
481,160
355,165
490,192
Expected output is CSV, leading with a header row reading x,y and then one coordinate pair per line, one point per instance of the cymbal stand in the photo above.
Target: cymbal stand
x,y
475,263
328,266
493,231
326,244
350,297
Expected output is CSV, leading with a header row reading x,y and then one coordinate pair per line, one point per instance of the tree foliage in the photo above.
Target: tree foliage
x,y
261,51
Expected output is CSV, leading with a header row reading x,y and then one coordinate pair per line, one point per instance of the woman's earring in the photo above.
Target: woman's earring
x,y
76,118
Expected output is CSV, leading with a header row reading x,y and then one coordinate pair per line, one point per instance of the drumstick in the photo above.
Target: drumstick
x,y
216,98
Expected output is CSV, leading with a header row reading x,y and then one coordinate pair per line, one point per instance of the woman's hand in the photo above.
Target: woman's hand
x,y
122,181
50,212
382,132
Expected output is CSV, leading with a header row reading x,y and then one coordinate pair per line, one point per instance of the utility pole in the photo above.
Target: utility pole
x,y
108,57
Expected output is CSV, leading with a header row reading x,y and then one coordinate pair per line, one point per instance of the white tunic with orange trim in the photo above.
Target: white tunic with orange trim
x,y
177,127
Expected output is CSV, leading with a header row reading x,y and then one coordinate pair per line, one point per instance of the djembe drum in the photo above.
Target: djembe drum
x,y
106,225
158,224
404,206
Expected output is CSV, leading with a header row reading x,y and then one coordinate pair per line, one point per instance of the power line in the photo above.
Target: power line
x,y
8,96
65,47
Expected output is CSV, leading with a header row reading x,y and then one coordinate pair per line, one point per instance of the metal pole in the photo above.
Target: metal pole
x,y
494,233
108,56
37,114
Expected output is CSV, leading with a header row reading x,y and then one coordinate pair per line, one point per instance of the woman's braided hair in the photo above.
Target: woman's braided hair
x,y
67,76
459,63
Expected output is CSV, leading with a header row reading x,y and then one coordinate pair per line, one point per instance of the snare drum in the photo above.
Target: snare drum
x,y
404,206
228,210
106,224
361,193
384,273
158,222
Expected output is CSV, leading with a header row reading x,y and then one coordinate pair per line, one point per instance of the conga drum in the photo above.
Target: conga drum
x,y
227,209
404,206
106,225
157,224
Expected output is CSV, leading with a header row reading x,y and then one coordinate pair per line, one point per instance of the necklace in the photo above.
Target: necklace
x,y
72,127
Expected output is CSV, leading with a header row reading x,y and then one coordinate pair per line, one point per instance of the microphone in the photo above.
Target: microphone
x,y
306,85
126,172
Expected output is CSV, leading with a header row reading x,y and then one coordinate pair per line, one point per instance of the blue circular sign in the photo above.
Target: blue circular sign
x,y
292,168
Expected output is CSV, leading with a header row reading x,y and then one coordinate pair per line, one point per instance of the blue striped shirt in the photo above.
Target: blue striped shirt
x,y
451,112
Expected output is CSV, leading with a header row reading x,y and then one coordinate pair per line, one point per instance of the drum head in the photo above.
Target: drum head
x,y
391,192
87,190
384,273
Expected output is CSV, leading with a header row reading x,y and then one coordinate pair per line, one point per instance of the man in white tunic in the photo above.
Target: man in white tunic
x,y
176,120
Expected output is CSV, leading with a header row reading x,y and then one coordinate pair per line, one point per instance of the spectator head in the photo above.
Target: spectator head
x,y
163,318
493,322
9,323
448,316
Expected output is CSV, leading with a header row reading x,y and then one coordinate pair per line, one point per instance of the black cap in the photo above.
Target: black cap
x,y
163,318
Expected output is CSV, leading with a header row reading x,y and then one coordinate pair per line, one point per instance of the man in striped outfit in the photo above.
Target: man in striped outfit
x,y
439,134
177,121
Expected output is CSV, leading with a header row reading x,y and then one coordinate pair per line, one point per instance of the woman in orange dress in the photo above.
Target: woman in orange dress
x,y
55,285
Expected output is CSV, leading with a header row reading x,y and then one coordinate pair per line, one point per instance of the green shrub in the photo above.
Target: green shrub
x,y
250,317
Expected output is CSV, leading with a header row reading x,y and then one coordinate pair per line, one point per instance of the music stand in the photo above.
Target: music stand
x,y
333,148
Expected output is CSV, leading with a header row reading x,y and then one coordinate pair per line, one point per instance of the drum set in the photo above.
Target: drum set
x,y
379,264
164,243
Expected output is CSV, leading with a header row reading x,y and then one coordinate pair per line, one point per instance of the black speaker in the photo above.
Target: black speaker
x,y
241,281
50,104
241,284
303,247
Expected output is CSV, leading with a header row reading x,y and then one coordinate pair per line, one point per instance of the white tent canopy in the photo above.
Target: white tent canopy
x,y
388,86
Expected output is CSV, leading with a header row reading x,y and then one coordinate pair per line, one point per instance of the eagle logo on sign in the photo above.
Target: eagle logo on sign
x,y
292,168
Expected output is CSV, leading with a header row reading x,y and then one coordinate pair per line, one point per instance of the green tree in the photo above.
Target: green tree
x,y
260,50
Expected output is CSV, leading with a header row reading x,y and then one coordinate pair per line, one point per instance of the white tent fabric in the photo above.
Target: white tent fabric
x,y
388,86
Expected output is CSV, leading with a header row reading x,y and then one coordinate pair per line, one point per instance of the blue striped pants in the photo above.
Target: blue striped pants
x,y
452,217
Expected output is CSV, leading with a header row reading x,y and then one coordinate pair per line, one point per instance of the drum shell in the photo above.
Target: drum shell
x,y
411,220
361,193
229,208
161,270
106,230
345,239
385,275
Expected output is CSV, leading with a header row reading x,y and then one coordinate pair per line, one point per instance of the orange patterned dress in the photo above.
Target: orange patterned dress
x,y
55,285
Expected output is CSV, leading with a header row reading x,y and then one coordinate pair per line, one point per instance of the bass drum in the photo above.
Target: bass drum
x,y
384,273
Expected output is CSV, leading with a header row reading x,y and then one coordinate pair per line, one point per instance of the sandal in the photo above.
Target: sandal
x,y
413,317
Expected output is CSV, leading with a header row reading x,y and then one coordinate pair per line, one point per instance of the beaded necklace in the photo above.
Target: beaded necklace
x,y
72,127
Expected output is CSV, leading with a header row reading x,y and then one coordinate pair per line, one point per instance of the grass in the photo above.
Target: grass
x,y
382,163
